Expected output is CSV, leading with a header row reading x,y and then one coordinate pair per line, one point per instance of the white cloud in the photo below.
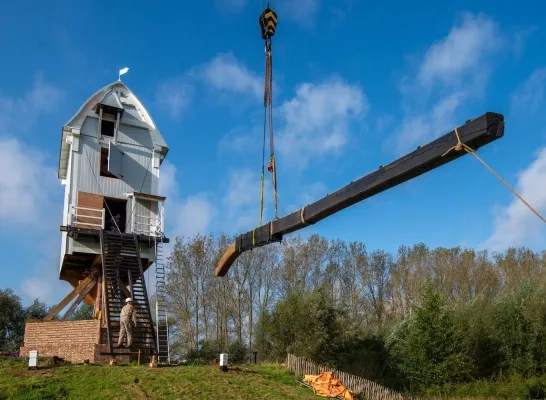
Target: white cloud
x,y
313,123
313,192
167,180
26,185
420,128
35,287
462,54
451,72
240,140
224,74
516,224
302,12
316,120
18,113
44,283
529,97
242,200
175,95
185,216
227,74
194,214
41,274
30,193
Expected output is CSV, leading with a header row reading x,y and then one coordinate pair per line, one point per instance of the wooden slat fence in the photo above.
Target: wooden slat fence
x,y
359,386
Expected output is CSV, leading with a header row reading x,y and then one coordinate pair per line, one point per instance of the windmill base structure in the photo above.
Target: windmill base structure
x,y
111,233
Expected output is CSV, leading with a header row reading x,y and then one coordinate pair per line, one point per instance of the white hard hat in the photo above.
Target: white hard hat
x,y
128,299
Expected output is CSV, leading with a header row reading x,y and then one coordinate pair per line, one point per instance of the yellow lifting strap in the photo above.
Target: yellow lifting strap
x,y
268,24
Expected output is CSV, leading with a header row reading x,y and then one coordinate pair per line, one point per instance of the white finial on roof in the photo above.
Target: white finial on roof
x,y
121,72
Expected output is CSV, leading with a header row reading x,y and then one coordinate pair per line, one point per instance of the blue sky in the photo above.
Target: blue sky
x,y
357,84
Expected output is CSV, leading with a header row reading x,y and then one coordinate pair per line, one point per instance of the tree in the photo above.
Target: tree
x,y
307,324
83,312
428,349
37,310
12,320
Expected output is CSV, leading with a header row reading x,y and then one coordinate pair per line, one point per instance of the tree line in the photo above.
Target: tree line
x,y
409,319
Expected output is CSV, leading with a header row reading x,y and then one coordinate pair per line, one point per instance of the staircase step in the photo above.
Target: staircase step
x,y
121,260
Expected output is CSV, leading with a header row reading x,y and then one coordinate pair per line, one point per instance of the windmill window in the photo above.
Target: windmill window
x,y
107,128
104,164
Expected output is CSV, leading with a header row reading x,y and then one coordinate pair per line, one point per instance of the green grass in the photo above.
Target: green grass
x,y
141,382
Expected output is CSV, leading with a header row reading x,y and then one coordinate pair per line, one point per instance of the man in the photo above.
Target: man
x,y
128,320
114,222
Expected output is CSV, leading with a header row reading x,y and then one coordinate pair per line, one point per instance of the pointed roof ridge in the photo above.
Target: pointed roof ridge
x,y
110,96
111,99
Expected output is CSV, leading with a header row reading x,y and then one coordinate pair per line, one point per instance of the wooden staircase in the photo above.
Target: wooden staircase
x,y
123,277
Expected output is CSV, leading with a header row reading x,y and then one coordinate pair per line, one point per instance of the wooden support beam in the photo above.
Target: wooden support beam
x,y
97,309
79,299
475,133
76,291
95,266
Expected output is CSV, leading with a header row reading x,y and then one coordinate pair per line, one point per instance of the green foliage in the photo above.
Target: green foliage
x,y
37,310
429,348
365,355
518,330
512,387
306,324
12,317
83,312
238,353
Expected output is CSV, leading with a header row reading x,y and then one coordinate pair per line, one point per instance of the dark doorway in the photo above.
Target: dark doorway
x,y
116,208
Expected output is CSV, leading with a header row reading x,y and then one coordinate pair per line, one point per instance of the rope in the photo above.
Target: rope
x,y
268,105
269,60
462,146
263,151
268,23
302,219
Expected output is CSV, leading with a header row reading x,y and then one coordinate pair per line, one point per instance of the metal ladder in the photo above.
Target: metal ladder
x,y
161,303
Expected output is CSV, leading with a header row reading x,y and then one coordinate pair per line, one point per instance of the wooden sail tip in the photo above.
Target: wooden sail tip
x,y
227,260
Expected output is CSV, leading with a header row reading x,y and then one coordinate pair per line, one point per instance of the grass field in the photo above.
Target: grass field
x,y
141,382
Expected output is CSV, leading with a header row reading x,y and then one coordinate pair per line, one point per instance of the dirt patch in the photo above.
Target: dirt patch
x,y
33,372
244,370
136,391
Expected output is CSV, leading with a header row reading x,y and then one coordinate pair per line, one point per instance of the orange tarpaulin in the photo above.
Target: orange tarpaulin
x,y
326,385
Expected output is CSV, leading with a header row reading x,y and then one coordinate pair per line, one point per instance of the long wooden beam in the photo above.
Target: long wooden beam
x,y
75,292
475,133
79,299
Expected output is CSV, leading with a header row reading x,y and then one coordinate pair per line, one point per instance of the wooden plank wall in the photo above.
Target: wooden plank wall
x,y
89,200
